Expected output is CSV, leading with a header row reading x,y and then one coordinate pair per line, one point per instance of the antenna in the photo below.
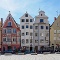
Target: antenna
x,y
26,11
57,12
39,9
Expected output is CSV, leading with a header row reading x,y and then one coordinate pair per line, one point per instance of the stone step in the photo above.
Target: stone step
x,y
20,54
8,54
33,53
46,53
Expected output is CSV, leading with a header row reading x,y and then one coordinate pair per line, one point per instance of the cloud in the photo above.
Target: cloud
x,y
8,5
14,5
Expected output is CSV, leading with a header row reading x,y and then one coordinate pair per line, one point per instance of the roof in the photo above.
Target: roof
x,y
9,15
55,20
24,15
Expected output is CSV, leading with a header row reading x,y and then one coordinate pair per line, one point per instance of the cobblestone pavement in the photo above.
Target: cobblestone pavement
x,y
31,57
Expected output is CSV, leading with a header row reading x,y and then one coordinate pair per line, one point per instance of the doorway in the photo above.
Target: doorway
x,y
3,48
36,49
9,48
30,48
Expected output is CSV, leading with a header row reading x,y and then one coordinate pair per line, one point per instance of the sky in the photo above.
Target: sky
x,y
19,7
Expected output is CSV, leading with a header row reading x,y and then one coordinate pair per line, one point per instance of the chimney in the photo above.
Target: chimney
x,y
55,18
1,21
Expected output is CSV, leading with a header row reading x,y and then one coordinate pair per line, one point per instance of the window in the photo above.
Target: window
x,y
47,27
14,30
9,24
36,34
36,41
8,30
58,38
41,20
31,20
41,14
22,34
58,31
55,31
55,38
18,39
22,20
23,41
41,40
31,34
27,20
22,27
30,40
19,33
14,47
47,34
4,31
31,27
41,34
55,35
36,27
26,26
26,15
46,41
8,39
14,39
27,33
42,27
4,39
27,41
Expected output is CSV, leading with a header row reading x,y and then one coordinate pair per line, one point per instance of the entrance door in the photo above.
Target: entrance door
x,y
9,48
36,48
30,48
3,48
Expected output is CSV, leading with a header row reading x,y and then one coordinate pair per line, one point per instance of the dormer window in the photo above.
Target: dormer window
x,y
26,15
9,24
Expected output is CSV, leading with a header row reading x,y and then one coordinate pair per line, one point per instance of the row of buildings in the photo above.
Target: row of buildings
x,y
31,34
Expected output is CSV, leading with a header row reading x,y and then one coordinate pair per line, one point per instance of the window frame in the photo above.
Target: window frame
x,y
31,27
42,27
22,20
31,20
22,26
9,23
41,20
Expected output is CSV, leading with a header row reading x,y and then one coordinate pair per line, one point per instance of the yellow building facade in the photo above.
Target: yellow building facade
x,y
55,33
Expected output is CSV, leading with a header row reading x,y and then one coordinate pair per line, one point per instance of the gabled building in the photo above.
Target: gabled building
x,y
41,31
55,33
10,34
26,26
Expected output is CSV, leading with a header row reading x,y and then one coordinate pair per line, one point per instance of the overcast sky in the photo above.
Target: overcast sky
x,y
19,7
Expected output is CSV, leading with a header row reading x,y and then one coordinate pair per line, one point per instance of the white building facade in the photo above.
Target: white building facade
x,y
41,31
26,26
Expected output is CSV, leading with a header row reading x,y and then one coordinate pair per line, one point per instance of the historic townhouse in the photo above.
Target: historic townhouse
x,y
10,34
55,33
41,31
26,26
1,33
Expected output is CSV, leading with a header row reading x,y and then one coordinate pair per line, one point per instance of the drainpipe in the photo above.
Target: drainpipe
x,y
1,32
